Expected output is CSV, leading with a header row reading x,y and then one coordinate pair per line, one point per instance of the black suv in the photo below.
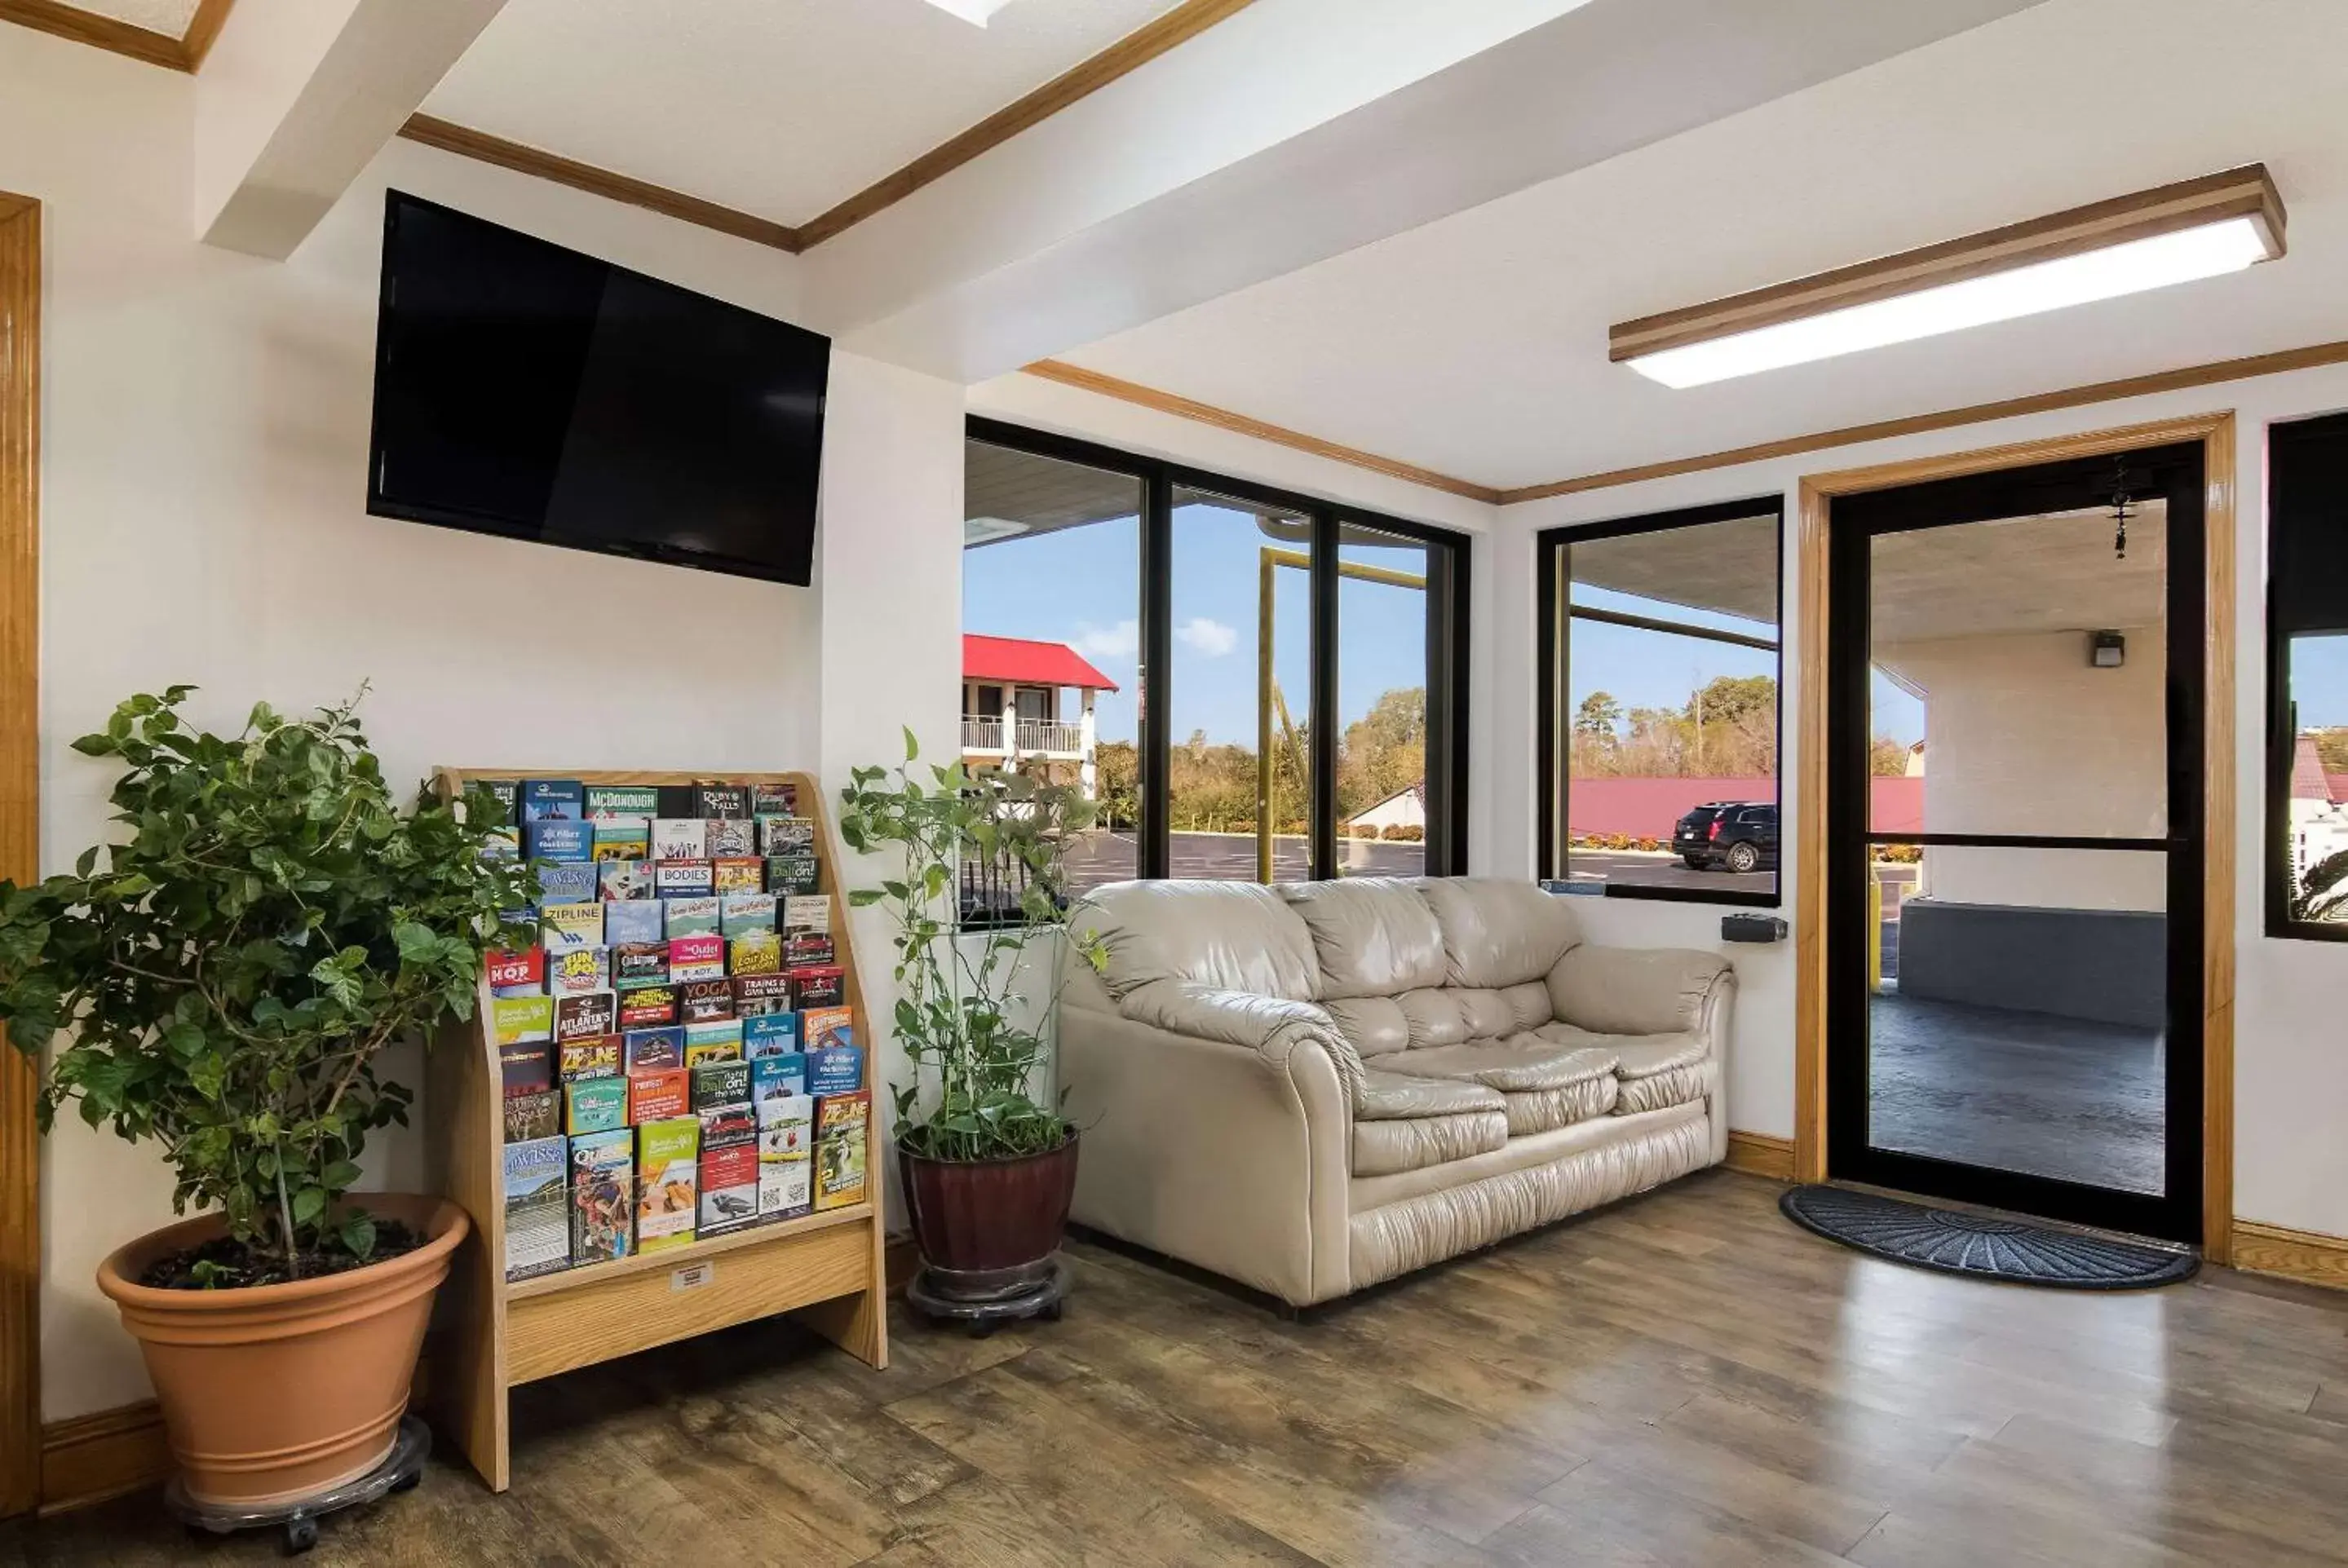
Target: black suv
x,y
1729,834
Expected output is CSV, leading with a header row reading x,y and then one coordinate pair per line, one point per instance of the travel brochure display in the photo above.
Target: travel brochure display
x,y
676,1056
662,1119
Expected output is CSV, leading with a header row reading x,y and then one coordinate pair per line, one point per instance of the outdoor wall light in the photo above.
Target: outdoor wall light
x,y
2107,649
2196,229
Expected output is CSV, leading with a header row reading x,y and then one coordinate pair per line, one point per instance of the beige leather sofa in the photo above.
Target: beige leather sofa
x,y
1309,1089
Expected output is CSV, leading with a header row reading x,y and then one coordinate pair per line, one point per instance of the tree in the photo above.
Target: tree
x,y
1598,716
1117,774
2321,891
1384,751
2332,750
1886,758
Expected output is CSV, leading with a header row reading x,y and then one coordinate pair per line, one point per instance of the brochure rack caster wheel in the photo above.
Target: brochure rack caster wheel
x,y
301,1535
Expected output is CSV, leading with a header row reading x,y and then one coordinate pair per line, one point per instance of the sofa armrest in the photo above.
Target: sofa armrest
x,y
1635,990
1271,1028
1214,1152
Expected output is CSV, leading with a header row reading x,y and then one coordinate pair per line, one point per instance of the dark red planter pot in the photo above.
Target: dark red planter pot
x,y
989,1227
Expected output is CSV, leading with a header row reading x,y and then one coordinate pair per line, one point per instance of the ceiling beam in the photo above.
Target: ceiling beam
x,y
305,93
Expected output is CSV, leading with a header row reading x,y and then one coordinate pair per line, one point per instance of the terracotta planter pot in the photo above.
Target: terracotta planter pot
x,y
283,1391
989,1227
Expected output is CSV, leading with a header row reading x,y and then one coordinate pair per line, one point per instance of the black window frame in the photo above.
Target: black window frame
x,y
1552,650
2307,489
1449,566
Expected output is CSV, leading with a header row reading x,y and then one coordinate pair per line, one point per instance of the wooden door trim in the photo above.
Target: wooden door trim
x,y
1817,491
20,835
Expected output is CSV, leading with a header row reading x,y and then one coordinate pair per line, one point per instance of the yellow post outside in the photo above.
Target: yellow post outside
x,y
1874,930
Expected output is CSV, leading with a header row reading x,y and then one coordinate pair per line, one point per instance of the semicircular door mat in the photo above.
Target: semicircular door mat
x,y
1985,1246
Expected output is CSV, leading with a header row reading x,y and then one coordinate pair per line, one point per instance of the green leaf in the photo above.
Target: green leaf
x,y
308,1205
357,1234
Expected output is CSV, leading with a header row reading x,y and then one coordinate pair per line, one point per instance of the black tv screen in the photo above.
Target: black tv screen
x,y
528,389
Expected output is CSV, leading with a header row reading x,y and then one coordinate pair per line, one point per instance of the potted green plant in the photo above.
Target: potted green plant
x,y
220,982
988,1162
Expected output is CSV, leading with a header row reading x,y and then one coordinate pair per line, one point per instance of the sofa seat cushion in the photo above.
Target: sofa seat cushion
x,y
1673,1086
1547,1110
1645,1055
1397,1097
1385,1148
1514,1065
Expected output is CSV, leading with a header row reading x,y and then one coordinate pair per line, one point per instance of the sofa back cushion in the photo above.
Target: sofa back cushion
x,y
1371,935
1498,932
1231,935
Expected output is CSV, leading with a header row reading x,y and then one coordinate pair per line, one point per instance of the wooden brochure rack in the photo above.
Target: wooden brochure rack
x,y
826,1268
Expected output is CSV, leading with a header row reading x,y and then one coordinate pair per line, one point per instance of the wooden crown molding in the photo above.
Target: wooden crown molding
x,y
486,149
1240,424
1128,55
2245,192
182,54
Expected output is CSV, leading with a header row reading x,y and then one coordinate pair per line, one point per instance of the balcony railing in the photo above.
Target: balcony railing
x,y
1032,735
1036,735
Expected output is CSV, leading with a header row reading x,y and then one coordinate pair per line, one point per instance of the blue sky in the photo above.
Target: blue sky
x,y
2319,680
1082,587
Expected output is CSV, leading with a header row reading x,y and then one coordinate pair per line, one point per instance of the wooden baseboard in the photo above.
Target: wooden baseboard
x,y
91,1458
900,1258
2309,1256
1761,1154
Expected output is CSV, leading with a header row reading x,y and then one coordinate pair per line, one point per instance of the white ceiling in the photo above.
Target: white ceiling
x,y
1476,345
170,17
779,108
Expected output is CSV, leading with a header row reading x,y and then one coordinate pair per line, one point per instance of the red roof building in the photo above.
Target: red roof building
x,y
1016,661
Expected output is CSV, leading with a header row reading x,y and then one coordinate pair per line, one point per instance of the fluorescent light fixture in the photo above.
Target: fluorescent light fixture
x,y
2200,229
975,12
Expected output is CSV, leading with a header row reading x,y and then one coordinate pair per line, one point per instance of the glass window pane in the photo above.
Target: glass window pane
x,y
1052,646
1240,691
1667,728
2014,1021
2317,804
2020,679
1382,711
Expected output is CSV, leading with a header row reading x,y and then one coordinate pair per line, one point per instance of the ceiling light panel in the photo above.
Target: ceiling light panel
x,y
975,12
2176,234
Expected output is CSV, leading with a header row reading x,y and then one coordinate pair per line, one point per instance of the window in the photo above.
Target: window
x,y
1289,684
2307,679
1050,601
1659,713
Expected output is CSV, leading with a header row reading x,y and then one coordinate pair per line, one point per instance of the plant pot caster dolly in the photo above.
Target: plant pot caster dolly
x,y
401,1471
984,1301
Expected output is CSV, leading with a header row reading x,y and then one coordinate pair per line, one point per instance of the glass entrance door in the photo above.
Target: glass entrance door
x,y
2014,959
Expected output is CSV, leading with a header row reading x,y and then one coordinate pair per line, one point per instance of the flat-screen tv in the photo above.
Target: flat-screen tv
x,y
528,389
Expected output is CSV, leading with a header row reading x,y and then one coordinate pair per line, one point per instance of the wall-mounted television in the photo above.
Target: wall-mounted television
x,y
528,389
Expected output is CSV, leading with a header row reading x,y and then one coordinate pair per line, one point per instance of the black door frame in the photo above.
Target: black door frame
x,y
2174,473
1447,601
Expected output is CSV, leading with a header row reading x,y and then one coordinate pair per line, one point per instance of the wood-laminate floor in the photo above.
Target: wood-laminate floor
x,y
1684,1378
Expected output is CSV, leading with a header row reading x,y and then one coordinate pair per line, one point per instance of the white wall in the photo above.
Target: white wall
x,y
2022,735
2290,1075
205,432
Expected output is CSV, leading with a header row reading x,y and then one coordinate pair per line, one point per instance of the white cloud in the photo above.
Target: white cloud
x,y
1122,641
1211,637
